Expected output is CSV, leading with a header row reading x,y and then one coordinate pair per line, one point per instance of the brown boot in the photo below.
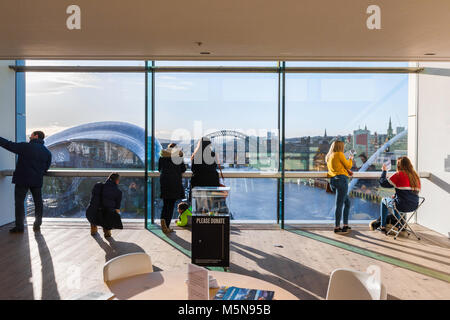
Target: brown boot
x,y
94,229
164,227
107,233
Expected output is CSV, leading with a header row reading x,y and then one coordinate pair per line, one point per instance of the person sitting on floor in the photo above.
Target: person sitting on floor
x,y
184,210
407,186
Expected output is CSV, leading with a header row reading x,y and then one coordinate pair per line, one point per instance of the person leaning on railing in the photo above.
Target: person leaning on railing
x,y
338,172
204,165
171,166
33,161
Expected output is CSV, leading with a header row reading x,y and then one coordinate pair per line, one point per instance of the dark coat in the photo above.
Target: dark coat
x,y
33,161
205,175
171,179
112,196
105,198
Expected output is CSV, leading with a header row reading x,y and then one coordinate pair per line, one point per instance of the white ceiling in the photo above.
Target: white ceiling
x,y
229,29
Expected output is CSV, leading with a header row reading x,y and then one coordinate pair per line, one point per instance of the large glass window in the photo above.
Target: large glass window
x,y
103,121
239,113
91,121
366,111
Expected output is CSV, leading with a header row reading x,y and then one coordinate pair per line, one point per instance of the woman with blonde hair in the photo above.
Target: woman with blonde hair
x,y
338,172
406,198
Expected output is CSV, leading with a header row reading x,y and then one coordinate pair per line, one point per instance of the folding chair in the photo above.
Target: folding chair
x,y
402,223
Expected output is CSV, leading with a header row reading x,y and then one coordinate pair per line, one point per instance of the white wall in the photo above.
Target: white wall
x,y
433,144
7,130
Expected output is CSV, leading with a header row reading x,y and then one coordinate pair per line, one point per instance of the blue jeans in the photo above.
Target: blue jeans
x,y
339,183
386,205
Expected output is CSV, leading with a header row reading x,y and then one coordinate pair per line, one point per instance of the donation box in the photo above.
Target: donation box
x,y
210,227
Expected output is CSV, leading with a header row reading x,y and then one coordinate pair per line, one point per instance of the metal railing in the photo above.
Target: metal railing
x,y
213,69
140,173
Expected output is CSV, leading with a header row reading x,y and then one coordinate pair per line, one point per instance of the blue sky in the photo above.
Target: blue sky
x,y
338,102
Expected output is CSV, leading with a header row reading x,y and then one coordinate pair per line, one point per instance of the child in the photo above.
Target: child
x,y
184,211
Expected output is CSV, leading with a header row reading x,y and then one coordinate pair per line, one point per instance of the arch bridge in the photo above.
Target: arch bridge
x,y
226,143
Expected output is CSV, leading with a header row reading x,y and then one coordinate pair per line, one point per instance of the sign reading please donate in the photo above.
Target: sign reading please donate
x,y
208,220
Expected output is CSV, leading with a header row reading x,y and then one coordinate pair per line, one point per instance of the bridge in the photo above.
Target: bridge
x,y
236,147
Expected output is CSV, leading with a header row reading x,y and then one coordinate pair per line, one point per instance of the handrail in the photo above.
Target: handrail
x,y
139,173
213,69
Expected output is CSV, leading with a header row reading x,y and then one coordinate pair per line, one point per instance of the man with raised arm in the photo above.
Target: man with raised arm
x,y
33,161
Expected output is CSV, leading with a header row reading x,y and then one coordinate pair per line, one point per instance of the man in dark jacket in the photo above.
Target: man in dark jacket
x,y
33,161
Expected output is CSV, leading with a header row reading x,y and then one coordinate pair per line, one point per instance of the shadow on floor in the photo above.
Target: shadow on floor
x,y
302,281
115,248
235,231
186,245
15,266
435,240
49,286
359,236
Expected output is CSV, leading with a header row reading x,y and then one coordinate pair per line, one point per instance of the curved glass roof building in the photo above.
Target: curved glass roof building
x,y
81,140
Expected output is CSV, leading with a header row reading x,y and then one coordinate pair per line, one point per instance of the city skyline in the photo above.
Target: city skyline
x,y
314,102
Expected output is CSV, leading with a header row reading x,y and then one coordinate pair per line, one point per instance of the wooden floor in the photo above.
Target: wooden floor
x,y
63,261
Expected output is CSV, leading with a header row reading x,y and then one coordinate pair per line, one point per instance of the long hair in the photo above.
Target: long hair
x,y
113,177
199,152
336,146
405,165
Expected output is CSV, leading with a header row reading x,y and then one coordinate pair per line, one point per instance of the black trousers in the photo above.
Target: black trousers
x,y
167,210
20,192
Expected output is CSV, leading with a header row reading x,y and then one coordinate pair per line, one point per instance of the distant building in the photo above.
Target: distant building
x,y
390,131
100,145
361,140
399,130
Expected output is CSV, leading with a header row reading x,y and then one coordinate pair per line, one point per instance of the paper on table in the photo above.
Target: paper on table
x,y
198,283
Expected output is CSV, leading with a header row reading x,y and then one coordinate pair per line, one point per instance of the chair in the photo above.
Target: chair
x,y
127,265
348,284
401,223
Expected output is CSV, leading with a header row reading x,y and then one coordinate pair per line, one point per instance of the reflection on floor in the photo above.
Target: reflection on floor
x,y
64,261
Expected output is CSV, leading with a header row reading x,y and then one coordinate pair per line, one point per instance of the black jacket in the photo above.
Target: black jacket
x,y
33,161
112,196
205,175
171,174
105,198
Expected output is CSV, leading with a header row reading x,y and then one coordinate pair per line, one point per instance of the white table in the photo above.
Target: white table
x,y
171,285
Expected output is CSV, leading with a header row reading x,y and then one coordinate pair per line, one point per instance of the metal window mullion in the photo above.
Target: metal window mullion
x,y
153,145
283,138
146,150
279,143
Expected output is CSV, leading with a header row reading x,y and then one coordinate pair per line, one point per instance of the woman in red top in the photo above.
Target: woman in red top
x,y
406,198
